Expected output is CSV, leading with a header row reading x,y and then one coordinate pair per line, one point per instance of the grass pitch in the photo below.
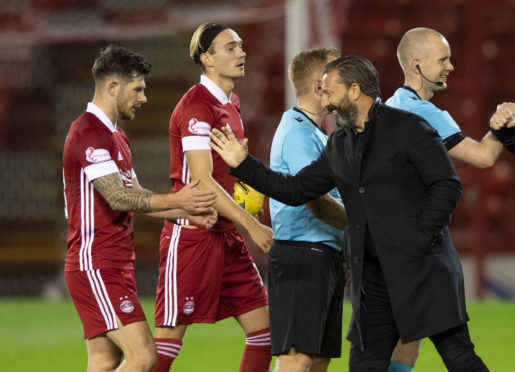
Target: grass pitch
x,y
47,336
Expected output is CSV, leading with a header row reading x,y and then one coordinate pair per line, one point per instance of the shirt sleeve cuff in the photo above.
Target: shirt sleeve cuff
x,y
453,140
95,171
244,169
195,143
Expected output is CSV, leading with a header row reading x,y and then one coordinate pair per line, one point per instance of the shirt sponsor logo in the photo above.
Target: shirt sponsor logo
x,y
189,306
199,127
127,306
97,155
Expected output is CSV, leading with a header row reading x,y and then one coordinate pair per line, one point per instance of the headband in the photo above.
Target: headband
x,y
206,39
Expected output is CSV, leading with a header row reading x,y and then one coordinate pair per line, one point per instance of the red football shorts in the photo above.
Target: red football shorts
x,y
205,276
102,295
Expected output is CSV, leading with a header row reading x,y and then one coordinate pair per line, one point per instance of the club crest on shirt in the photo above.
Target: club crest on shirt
x,y
97,155
189,306
199,127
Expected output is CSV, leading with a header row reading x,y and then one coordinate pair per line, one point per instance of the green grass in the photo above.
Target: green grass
x,y
47,336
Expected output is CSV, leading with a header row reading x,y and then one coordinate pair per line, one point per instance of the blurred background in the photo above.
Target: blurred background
x,y
47,48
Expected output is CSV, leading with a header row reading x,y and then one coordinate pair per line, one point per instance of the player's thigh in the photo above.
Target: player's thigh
x,y
254,320
176,332
103,354
134,339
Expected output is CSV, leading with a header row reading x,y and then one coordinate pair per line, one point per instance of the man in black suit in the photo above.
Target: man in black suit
x,y
399,187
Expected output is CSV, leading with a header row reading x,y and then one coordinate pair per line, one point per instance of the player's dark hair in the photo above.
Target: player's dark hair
x,y
118,60
359,70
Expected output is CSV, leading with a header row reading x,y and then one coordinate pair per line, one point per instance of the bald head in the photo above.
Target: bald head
x,y
417,43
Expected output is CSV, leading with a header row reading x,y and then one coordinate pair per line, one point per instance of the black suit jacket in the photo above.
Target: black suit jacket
x,y
397,178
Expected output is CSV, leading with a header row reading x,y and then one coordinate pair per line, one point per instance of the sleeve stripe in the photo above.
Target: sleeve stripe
x,y
453,140
99,170
195,143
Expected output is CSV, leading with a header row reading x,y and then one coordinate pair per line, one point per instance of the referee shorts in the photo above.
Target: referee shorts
x,y
305,290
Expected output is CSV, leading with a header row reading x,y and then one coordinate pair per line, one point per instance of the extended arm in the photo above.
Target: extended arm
x,y
207,219
200,164
480,154
310,183
329,210
124,199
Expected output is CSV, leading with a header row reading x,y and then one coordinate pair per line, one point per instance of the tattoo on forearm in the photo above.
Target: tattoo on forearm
x,y
121,198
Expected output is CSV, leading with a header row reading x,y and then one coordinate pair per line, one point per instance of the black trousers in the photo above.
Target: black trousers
x,y
381,335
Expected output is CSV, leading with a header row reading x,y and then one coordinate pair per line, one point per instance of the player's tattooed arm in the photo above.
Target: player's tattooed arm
x,y
121,198
191,200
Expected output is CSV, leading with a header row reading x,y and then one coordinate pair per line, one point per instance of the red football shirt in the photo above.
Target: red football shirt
x,y
203,107
98,237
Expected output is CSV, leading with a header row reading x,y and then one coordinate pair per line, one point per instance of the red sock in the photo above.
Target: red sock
x,y
167,351
258,352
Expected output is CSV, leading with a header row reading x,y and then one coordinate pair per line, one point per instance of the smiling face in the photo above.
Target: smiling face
x,y
325,112
226,56
436,62
335,98
131,96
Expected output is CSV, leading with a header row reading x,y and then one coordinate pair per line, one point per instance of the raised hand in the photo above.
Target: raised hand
x,y
228,147
195,201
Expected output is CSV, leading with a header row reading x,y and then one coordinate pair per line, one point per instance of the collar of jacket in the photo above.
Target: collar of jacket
x,y
374,109
372,114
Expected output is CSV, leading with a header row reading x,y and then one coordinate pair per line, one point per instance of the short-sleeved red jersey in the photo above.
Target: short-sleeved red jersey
x,y
98,236
203,107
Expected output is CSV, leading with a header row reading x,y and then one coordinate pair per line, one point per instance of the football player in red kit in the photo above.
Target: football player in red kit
x,y
101,192
208,275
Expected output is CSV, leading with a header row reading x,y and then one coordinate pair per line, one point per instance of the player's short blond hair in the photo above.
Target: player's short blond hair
x,y
307,66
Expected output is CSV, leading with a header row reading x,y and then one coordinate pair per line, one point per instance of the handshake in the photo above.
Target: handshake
x,y
503,116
